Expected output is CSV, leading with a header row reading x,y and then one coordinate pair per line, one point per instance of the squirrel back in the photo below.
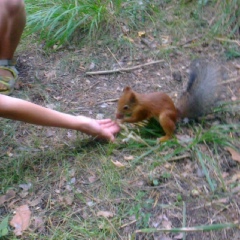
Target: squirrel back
x,y
202,89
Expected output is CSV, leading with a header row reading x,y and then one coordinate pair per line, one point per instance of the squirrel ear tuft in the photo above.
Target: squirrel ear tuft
x,y
126,89
133,98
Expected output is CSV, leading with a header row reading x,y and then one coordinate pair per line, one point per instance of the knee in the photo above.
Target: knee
x,y
13,6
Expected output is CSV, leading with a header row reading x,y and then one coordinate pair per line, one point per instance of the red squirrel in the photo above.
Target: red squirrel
x,y
197,100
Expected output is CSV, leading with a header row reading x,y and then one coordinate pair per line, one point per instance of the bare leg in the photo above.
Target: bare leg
x,y
12,23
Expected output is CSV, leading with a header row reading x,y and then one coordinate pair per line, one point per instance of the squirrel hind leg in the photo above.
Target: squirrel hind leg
x,y
168,122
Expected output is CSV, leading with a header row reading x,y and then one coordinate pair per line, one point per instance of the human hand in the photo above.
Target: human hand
x,y
102,129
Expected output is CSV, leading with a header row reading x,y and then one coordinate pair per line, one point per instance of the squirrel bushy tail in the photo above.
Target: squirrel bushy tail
x,y
202,90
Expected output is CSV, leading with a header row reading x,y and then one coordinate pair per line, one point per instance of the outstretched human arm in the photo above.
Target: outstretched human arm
x,y
21,110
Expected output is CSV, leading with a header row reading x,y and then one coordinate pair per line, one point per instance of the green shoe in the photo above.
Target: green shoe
x,y
7,83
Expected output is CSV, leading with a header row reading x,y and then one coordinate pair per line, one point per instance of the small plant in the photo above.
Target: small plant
x,y
228,19
4,227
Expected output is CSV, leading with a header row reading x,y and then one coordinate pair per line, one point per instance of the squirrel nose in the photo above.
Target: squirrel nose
x,y
119,115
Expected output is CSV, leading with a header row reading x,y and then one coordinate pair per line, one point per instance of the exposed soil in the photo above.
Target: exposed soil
x,y
59,81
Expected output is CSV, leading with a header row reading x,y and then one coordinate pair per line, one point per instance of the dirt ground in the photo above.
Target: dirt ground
x,y
58,80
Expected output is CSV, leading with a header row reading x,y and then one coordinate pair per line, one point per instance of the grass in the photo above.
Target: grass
x,y
51,170
59,21
188,184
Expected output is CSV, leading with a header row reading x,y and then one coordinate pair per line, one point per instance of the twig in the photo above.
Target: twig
x,y
87,89
228,40
108,100
178,157
230,80
113,228
123,69
190,229
190,41
127,224
114,57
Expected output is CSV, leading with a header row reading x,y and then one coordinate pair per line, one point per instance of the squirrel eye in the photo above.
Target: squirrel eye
x,y
125,107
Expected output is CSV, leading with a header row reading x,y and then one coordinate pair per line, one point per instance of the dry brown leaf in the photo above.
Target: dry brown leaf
x,y
128,158
66,200
237,66
23,194
10,194
235,154
106,214
21,219
234,178
38,224
166,224
25,187
142,34
92,179
179,236
50,74
69,199
34,202
118,164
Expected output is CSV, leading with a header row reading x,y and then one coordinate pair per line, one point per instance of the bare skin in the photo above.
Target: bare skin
x,y
17,109
12,23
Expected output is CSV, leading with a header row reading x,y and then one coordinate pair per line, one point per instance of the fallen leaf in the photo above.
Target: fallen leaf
x,y
69,188
128,158
179,236
184,138
92,179
21,219
90,203
50,74
72,172
106,214
23,194
166,224
234,178
34,202
142,34
69,199
66,200
125,29
10,194
118,164
235,154
25,187
38,224
91,66
4,227
237,66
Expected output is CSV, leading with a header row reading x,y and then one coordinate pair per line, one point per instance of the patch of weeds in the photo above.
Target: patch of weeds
x,y
159,178
140,210
228,18
232,52
27,166
8,130
58,21
111,179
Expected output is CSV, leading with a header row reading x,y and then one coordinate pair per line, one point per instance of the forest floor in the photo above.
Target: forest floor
x,y
80,188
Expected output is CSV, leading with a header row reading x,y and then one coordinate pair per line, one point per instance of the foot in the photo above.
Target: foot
x,y
5,73
164,138
8,78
